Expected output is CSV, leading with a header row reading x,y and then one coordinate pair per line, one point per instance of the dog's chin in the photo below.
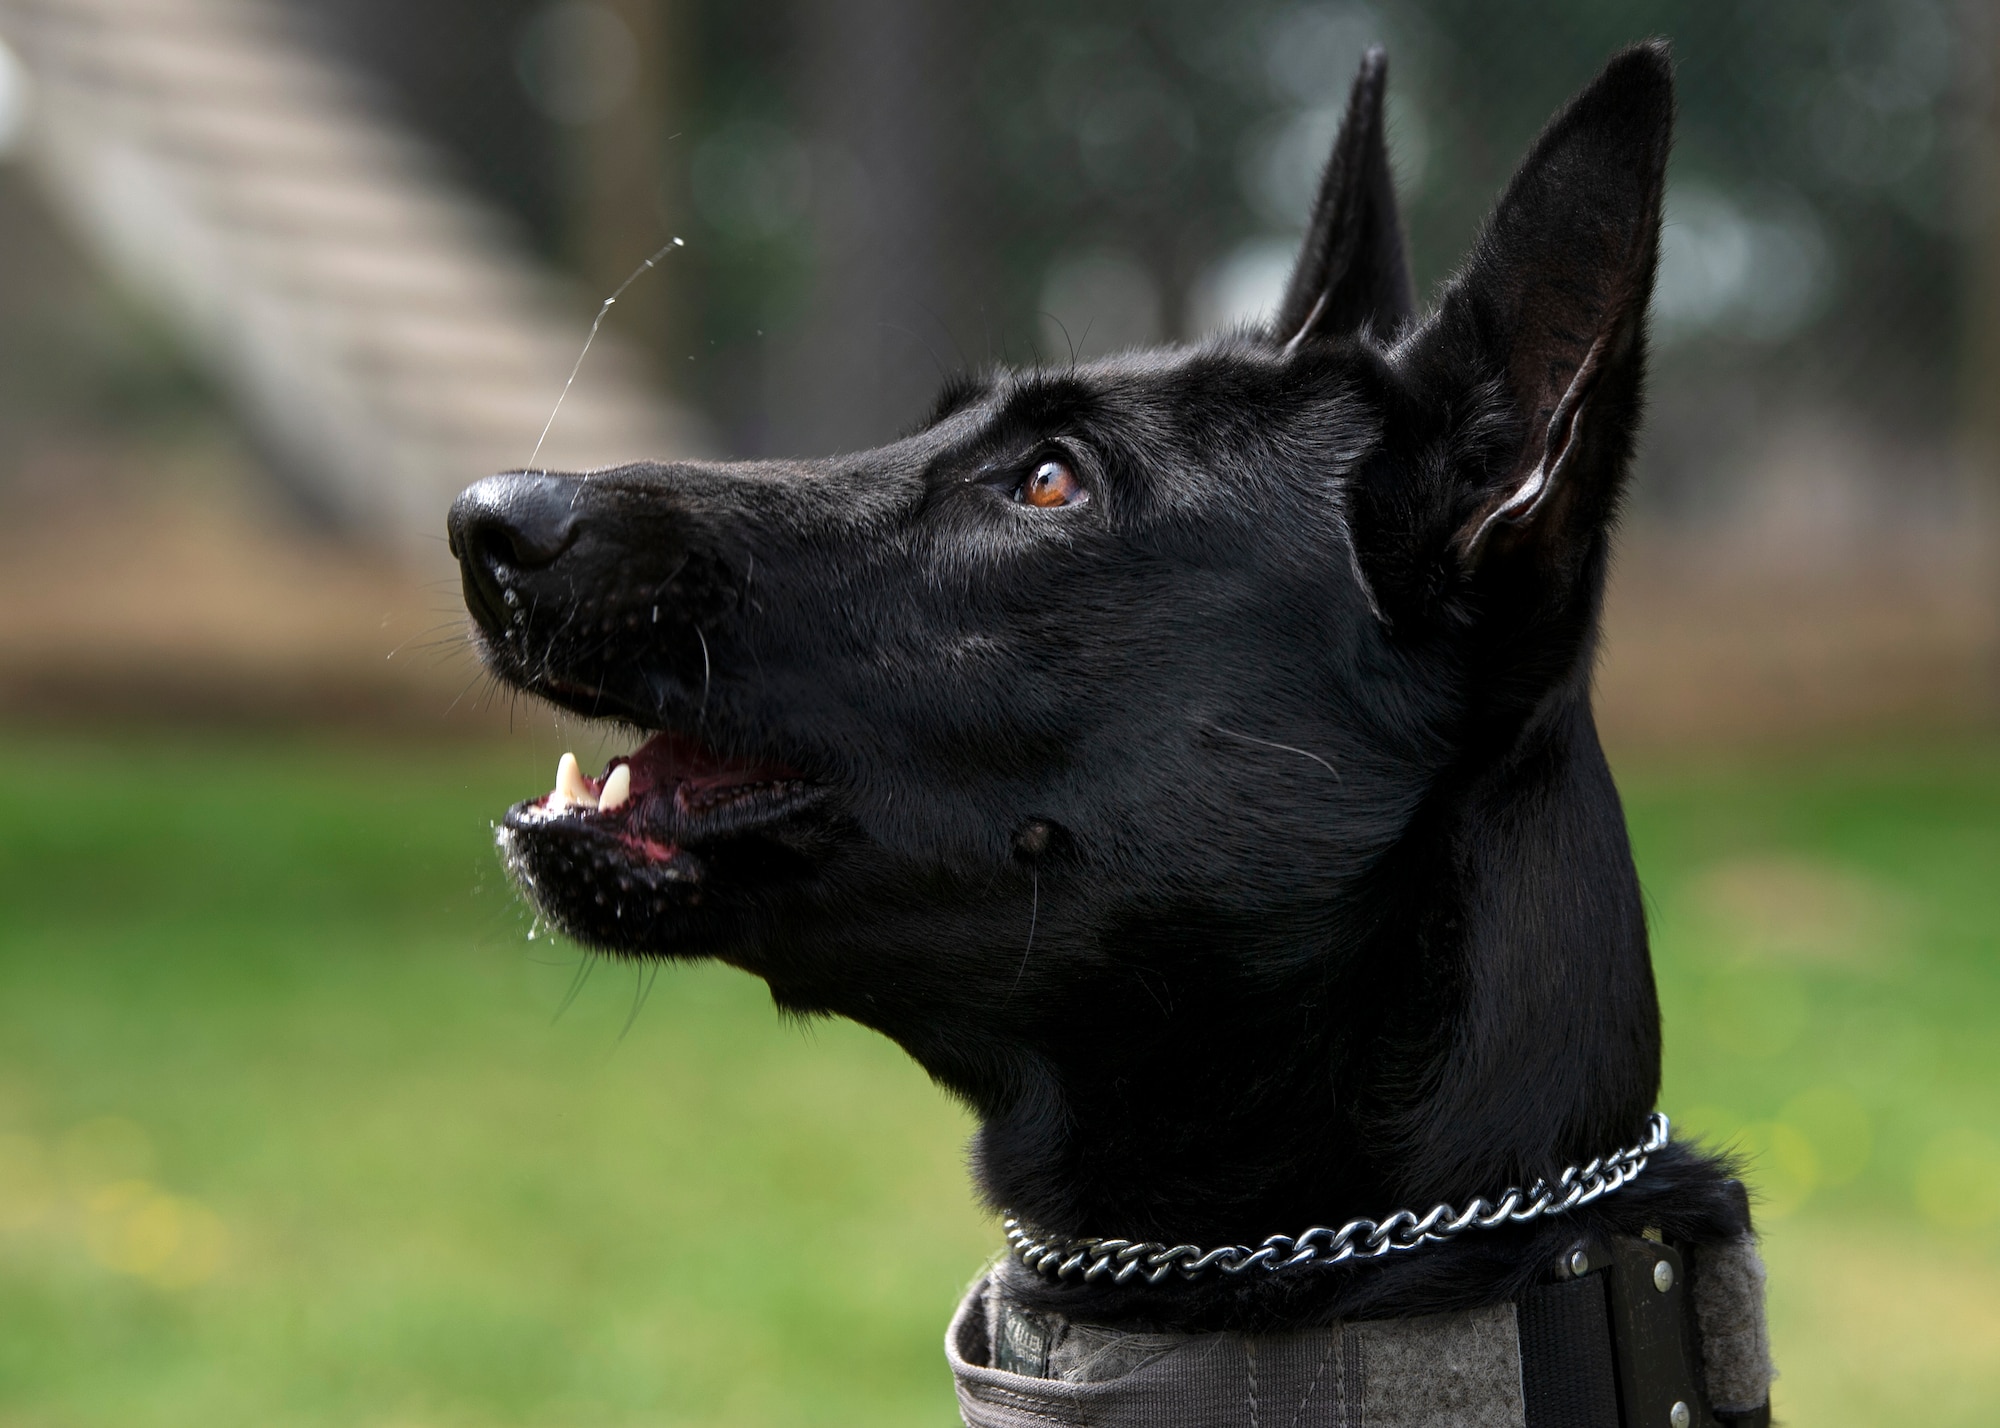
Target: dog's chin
x,y
667,846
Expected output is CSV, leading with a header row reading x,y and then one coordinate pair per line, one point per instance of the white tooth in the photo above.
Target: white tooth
x,y
570,787
617,789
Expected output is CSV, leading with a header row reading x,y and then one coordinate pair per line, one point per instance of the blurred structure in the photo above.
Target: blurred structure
x,y
355,211
373,322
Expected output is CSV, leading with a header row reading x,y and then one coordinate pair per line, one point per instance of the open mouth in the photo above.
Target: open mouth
x,y
657,814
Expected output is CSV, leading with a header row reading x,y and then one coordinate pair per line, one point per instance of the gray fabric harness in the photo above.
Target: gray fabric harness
x,y
1462,1370
1018,1367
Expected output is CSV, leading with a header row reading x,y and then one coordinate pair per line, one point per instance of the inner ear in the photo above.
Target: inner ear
x,y
1351,275
1548,316
1518,500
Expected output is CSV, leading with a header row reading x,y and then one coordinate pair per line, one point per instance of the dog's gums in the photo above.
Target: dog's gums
x,y
641,827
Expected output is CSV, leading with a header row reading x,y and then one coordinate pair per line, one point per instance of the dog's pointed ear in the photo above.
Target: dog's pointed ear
x,y
1351,273
1525,384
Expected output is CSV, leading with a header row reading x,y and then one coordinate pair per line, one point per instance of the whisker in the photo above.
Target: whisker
x,y
703,715
1288,748
642,989
644,267
1065,332
583,971
469,685
1034,915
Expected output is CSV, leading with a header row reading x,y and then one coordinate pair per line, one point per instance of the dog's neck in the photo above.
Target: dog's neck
x,y
1496,1022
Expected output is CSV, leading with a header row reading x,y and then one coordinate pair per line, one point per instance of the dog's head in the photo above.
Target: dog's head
x,y
1106,697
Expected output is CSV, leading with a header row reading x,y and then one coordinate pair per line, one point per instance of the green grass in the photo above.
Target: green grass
x,y
290,1133
1827,937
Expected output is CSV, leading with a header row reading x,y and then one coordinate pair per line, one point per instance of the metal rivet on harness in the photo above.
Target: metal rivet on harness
x,y
1679,1416
1579,1263
1663,1276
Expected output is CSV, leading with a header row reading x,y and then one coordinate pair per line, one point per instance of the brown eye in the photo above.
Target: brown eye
x,y
1051,484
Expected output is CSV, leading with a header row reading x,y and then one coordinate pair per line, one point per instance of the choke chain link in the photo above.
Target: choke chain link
x,y
1060,1257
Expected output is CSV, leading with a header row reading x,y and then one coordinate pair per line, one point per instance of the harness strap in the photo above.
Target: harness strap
x,y
1627,1333
1567,1376
1441,1371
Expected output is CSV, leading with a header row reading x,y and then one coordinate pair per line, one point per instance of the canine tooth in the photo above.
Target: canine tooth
x,y
617,789
570,787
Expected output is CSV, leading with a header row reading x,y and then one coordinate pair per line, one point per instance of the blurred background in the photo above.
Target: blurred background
x,y
303,1121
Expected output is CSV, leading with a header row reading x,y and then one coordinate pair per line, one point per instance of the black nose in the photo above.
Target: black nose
x,y
508,525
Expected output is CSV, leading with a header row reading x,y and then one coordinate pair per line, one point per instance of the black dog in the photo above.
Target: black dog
x,y
1187,757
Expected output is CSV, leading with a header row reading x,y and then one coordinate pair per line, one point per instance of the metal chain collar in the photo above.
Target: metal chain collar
x,y
1060,1257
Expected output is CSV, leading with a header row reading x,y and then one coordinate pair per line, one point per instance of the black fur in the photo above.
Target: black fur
x,y
1352,274
1237,844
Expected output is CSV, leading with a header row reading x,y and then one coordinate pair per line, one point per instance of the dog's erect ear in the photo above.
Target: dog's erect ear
x,y
1351,274
1529,374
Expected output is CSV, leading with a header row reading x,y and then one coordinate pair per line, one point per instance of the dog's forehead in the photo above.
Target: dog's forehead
x,y
1210,395
1132,379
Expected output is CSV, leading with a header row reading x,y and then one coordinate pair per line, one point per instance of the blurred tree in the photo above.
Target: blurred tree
x,y
598,70
1979,389
893,265
449,67
877,188
556,108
